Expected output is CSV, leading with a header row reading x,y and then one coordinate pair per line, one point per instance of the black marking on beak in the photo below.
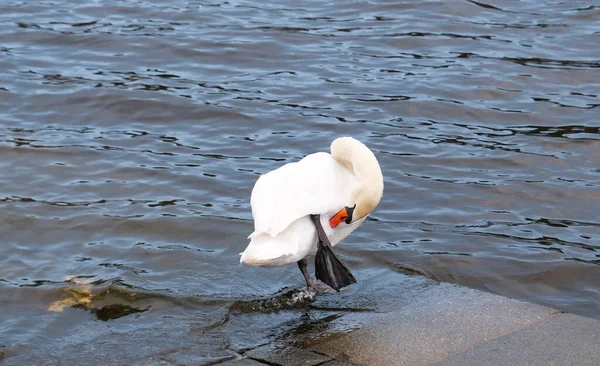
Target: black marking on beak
x,y
350,211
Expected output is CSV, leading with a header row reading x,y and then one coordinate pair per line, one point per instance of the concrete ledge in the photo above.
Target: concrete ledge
x,y
451,325
439,324
564,339
443,321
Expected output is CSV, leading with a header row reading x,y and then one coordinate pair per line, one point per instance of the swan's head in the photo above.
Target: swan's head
x,y
362,162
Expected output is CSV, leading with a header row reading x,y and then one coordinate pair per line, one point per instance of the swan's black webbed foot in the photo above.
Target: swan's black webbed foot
x,y
328,268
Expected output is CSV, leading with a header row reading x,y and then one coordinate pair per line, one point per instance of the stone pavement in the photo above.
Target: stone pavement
x,y
436,324
452,325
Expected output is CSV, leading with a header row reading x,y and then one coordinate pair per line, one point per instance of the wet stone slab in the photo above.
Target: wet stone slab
x,y
289,356
152,362
444,320
241,362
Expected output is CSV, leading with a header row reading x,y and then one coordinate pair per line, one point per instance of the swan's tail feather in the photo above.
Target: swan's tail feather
x,y
267,251
329,269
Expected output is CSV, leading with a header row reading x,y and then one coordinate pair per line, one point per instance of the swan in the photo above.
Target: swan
x,y
307,207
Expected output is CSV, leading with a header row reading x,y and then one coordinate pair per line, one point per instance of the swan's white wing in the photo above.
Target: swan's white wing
x,y
317,184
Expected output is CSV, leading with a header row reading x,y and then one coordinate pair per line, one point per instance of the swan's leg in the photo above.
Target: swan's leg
x,y
328,268
316,285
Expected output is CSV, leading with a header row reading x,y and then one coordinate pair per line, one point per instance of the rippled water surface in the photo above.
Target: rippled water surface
x,y
132,132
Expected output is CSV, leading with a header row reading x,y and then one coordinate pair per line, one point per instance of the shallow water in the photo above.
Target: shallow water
x,y
131,133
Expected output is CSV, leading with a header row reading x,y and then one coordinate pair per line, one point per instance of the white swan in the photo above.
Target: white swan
x,y
313,204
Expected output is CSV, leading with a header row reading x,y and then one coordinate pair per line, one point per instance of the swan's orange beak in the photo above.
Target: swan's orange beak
x,y
343,215
339,217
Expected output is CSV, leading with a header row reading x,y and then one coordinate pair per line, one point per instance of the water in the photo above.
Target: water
x,y
132,132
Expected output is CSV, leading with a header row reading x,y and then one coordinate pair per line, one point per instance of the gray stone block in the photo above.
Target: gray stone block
x,y
241,362
336,363
287,357
442,321
564,339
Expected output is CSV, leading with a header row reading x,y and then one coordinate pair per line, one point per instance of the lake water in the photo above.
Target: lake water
x,y
132,132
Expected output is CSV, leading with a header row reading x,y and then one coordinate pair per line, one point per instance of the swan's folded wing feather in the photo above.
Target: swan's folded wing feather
x,y
315,185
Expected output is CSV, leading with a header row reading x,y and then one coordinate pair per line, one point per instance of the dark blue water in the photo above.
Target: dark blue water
x,y
132,132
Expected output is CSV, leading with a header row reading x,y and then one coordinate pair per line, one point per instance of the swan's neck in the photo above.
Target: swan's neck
x,y
362,162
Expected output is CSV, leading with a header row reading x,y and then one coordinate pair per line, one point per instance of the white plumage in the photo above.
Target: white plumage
x,y
283,200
